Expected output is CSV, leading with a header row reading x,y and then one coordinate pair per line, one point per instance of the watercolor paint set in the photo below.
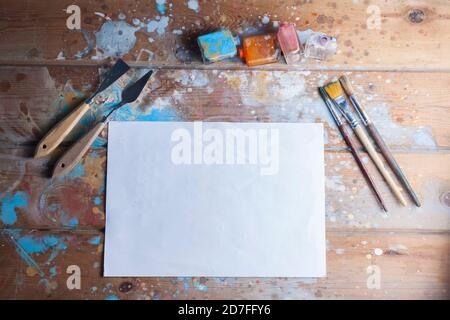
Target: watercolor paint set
x,y
266,48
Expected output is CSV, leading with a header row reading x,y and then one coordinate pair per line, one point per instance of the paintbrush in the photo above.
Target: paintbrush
x,y
345,82
336,94
351,144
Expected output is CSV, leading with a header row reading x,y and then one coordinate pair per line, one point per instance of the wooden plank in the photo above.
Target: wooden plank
x,y
77,200
409,266
410,109
388,35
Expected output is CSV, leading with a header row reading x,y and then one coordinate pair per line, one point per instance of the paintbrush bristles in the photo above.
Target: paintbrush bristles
x,y
345,82
334,90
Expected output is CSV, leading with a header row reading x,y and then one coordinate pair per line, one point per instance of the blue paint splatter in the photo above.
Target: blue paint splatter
x,y
13,235
97,201
161,114
99,142
94,154
101,189
129,112
112,298
161,6
159,25
185,281
94,241
201,287
8,213
53,272
77,172
30,244
72,222
33,244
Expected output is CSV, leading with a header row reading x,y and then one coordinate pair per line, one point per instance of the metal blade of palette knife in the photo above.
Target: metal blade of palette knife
x,y
133,91
117,70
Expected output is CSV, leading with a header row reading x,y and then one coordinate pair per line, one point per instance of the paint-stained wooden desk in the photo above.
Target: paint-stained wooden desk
x,y
396,52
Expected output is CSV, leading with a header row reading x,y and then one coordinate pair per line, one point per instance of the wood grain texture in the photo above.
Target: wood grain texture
x,y
409,109
56,135
410,265
77,151
400,73
368,146
77,200
387,35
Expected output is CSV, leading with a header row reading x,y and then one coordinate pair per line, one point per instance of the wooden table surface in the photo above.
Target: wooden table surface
x,y
397,53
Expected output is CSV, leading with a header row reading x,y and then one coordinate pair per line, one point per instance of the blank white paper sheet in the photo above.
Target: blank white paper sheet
x,y
215,199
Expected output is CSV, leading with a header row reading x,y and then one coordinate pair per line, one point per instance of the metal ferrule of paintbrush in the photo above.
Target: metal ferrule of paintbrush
x,y
348,88
353,148
343,106
336,93
330,107
384,148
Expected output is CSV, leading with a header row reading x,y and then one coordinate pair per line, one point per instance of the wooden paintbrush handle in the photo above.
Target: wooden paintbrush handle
x,y
57,134
351,144
379,163
68,161
392,162
347,85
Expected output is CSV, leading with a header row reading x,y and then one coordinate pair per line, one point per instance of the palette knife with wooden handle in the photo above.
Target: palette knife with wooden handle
x,y
57,134
68,161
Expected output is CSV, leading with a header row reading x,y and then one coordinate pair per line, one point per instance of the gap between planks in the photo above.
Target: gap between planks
x,y
338,231
396,150
222,67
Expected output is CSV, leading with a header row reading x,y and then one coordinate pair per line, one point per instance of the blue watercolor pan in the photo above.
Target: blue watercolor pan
x,y
218,46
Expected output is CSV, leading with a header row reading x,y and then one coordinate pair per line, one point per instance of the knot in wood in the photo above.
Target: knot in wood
x,y
416,16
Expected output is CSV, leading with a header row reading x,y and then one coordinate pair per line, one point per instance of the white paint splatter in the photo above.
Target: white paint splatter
x,y
138,23
335,183
194,78
400,135
147,52
159,25
115,38
378,251
193,5
60,56
303,36
102,15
